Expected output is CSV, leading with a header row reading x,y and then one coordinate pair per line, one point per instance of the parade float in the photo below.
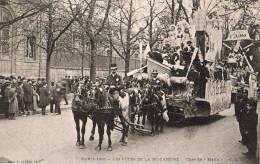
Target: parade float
x,y
183,102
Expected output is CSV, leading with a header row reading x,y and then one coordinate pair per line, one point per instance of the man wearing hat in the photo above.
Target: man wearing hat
x,y
187,52
249,121
44,98
239,111
28,95
114,78
154,80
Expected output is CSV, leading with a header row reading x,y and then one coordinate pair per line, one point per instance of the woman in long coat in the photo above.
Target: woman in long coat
x,y
44,98
13,103
35,98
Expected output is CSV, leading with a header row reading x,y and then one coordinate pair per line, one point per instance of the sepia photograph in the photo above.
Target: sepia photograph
x,y
129,81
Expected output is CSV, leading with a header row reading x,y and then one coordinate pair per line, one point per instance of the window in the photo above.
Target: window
x,y
5,16
31,48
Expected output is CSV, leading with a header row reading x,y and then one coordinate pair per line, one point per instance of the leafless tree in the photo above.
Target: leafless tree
x,y
93,23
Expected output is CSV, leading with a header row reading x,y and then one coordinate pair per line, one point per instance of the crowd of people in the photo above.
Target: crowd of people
x,y
22,96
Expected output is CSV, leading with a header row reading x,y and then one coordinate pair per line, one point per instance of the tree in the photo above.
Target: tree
x,y
57,23
154,13
171,7
178,14
125,30
90,21
24,9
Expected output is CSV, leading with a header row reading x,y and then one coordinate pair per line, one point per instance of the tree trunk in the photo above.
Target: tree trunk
x,y
172,12
93,59
127,62
110,55
178,12
151,26
48,70
83,55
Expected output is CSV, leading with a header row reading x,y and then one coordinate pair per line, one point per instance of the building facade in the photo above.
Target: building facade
x,y
20,54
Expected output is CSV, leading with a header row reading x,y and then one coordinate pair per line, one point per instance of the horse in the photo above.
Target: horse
x,y
108,107
121,103
152,106
82,107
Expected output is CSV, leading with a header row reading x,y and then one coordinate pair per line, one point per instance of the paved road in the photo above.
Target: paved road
x,y
51,139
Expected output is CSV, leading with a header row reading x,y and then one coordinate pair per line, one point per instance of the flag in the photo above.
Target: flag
x,y
146,51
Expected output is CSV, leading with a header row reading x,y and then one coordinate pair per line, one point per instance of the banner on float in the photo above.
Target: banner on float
x,y
214,44
238,35
200,20
218,94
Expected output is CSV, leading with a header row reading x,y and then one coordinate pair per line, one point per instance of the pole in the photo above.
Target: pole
x,y
110,54
82,56
141,52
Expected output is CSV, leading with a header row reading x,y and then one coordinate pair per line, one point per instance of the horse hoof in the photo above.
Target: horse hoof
x,y
91,138
109,148
121,140
152,134
98,148
77,143
82,146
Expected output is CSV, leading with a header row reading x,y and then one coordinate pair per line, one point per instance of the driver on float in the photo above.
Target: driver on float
x,y
154,81
116,89
114,80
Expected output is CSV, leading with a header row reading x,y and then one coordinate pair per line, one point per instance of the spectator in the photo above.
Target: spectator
x,y
6,88
52,95
20,97
44,98
249,121
35,98
12,100
57,98
28,95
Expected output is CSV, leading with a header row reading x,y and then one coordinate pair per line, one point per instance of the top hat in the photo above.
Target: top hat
x,y
113,66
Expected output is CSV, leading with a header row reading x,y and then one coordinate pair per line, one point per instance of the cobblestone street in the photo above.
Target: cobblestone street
x,y
51,139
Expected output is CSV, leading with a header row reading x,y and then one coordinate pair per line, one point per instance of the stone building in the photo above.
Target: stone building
x,y
21,56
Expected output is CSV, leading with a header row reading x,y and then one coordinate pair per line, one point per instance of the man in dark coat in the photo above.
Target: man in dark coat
x,y
57,98
64,91
239,110
20,97
249,121
187,52
154,81
114,78
52,95
28,95
44,98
